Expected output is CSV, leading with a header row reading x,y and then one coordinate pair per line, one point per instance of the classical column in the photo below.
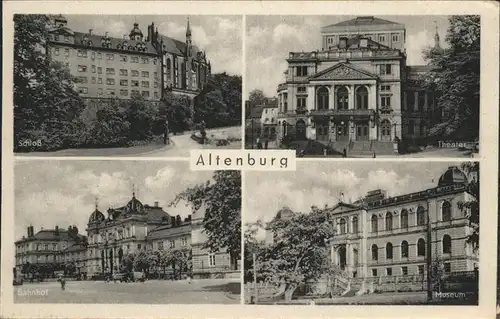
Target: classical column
x,y
425,101
331,98
372,99
405,102
311,98
415,102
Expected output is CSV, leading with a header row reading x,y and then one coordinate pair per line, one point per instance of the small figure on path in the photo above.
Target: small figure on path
x,y
345,152
266,143
166,139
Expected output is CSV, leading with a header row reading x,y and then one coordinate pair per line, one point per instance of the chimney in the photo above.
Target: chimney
x,y
29,231
90,31
156,204
57,230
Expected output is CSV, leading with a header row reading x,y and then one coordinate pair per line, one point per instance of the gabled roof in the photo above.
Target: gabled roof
x,y
52,235
344,207
169,231
176,47
343,71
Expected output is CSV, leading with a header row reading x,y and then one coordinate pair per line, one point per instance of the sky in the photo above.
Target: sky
x,y
219,36
320,183
269,39
63,193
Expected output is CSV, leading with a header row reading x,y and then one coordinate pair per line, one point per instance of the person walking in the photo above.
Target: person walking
x,y
63,282
266,144
345,153
166,139
374,155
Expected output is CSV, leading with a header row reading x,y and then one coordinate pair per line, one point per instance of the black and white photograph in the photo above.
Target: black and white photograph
x,y
111,232
126,85
390,233
363,86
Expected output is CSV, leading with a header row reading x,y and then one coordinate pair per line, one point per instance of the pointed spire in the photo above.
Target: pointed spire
x,y
436,37
96,203
133,190
188,29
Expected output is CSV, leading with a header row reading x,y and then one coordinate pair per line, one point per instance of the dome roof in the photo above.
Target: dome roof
x,y
453,175
134,206
96,217
136,30
284,213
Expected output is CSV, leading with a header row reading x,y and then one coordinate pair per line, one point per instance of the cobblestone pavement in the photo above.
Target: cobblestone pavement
x,y
203,291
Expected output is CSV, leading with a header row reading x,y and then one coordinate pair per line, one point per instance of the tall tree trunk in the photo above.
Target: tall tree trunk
x,y
290,289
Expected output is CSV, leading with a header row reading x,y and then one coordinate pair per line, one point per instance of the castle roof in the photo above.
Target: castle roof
x,y
364,23
453,175
52,235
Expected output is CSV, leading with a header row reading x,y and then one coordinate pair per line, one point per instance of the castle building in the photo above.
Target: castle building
x,y
357,91
385,240
108,67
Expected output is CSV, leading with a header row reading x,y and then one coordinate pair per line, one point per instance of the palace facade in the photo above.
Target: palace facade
x,y
357,92
128,229
382,242
150,65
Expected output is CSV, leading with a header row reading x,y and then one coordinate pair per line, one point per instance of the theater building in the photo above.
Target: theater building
x,y
109,67
382,242
355,91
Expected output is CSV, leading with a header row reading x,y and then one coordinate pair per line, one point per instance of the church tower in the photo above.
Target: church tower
x,y
189,44
437,44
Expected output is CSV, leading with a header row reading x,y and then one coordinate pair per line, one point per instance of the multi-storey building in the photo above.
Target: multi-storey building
x,y
381,239
48,247
268,119
108,67
356,91
129,229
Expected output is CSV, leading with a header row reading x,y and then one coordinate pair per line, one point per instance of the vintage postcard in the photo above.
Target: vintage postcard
x,y
250,159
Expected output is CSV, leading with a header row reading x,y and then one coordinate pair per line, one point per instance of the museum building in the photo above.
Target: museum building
x,y
357,92
385,240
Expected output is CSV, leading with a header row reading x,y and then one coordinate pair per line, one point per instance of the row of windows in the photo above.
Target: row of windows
x,y
111,81
111,71
446,215
123,92
379,38
108,56
404,270
172,243
446,248
38,247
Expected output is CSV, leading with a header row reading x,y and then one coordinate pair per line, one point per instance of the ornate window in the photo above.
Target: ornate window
x,y
342,98
342,226
446,244
362,98
420,216
374,224
446,211
388,251
355,224
374,252
421,247
404,249
388,221
404,218
322,97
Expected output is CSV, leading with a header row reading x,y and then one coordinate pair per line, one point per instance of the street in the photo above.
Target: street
x,y
180,146
202,291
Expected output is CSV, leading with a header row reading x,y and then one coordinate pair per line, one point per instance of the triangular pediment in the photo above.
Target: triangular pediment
x,y
343,71
343,207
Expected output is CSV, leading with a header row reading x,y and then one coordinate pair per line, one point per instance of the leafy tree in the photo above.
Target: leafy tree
x,y
46,104
128,262
219,103
139,114
178,110
221,201
298,252
455,79
256,97
145,261
471,206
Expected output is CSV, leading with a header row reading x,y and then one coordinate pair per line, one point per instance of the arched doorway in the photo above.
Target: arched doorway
x,y
342,257
342,131
300,130
385,130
